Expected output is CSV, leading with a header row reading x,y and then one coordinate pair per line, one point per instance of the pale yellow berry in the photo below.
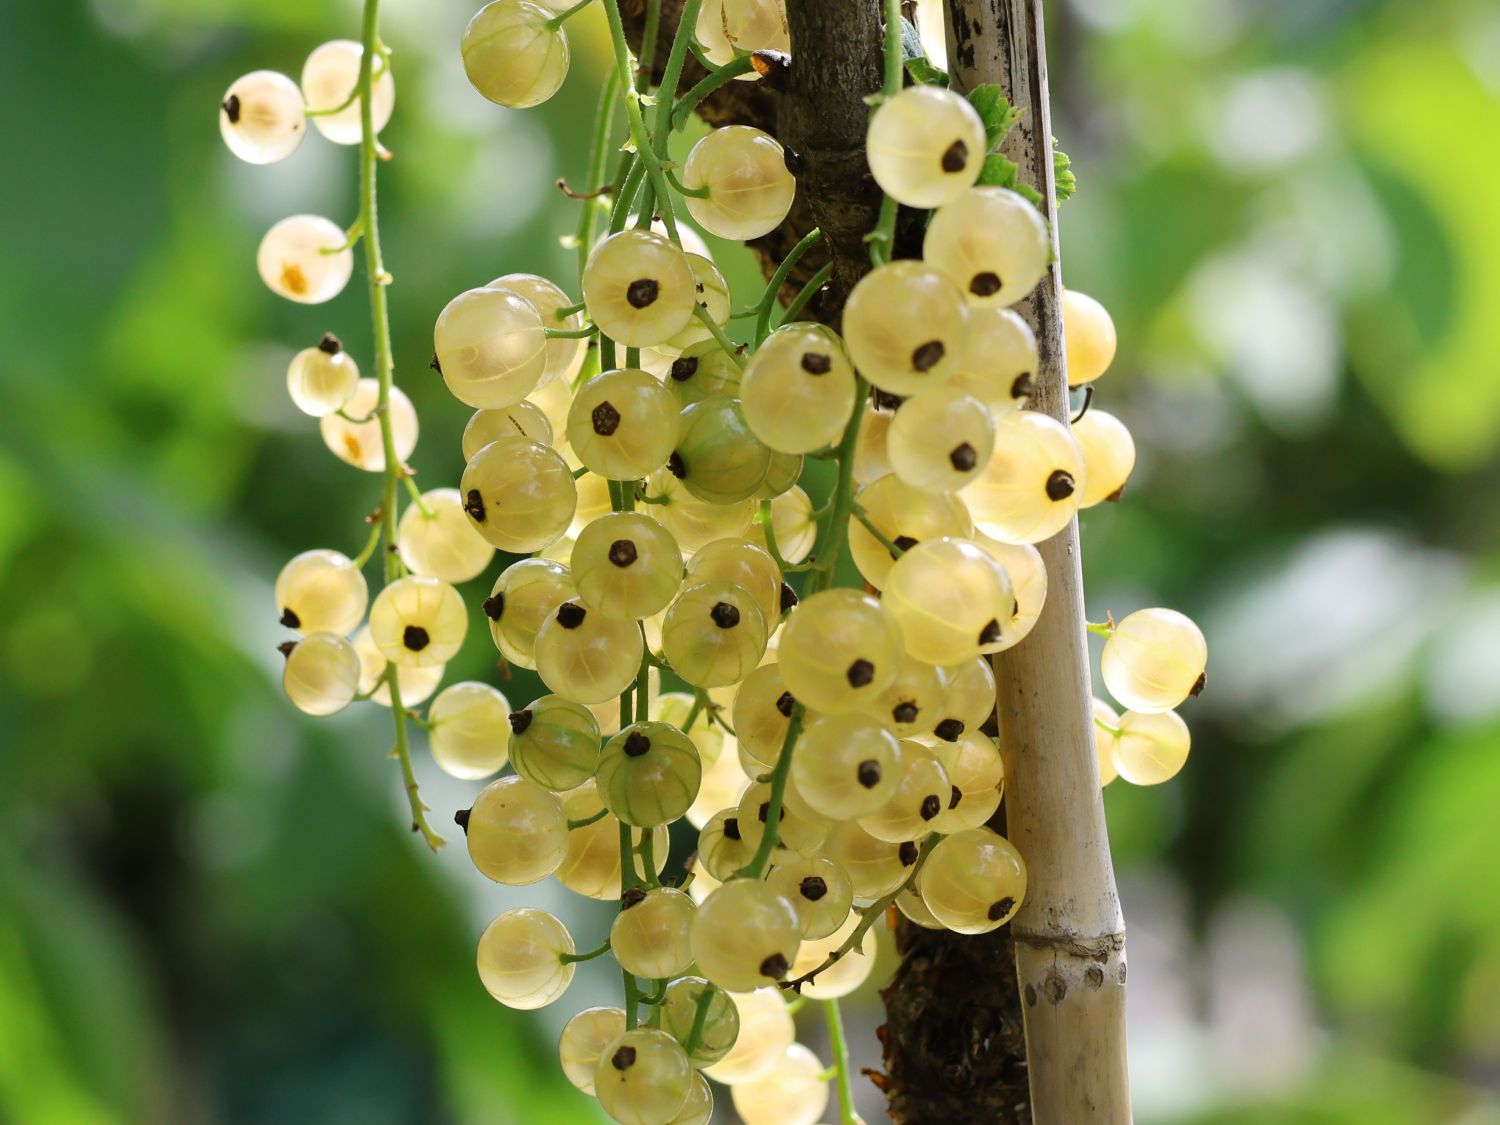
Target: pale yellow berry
x,y
321,674
330,78
1088,337
305,258
1154,659
1108,456
359,442
436,538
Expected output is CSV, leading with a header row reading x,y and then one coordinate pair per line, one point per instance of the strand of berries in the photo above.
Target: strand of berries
x,y
830,751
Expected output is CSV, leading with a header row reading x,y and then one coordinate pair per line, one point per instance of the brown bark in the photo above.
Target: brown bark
x,y
820,118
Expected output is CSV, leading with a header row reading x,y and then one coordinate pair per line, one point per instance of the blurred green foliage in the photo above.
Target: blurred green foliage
x,y
209,907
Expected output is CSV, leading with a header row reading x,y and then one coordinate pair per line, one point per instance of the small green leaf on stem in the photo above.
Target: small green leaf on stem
x,y
995,110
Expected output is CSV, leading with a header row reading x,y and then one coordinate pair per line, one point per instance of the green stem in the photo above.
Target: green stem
x,y
681,189
718,334
884,540
645,153
807,292
1106,629
329,111
604,118
648,45
586,821
1102,725
840,1048
563,16
416,495
700,1018
672,75
756,868
575,958
720,76
371,542
377,280
773,287
882,239
570,333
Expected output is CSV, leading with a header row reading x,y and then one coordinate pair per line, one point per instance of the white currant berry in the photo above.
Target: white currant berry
x,y
905,326
321,591
765,1032
926,146
417,620
991,243
360,442
564,355
643,1078
795,1092
726,28
1033,482
1088,337
469,730
414,683
905,515
522,419
949,598
649,937
941,439
440,541
639,288
583,1040
1151,747
330,77
520,958
974,881
519,494
262,118
745,936
999,364
1108,456
1154,659
322,379
305,258
321,675
491,347
512,55
744,172
798,389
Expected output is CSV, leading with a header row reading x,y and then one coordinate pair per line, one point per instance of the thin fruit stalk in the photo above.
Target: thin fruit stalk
x,y
377,279
1070,935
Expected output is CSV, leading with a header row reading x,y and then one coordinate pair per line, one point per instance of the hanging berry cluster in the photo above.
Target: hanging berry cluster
x,y
827,742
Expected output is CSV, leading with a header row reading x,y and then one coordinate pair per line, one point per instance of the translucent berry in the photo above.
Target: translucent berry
x,y
839,650
468,728
1151,747
745,936
1088,337
639,288
512,56
798,389
1154,659
941,439
517,832
554,743
441,541
491,347
524,596
321,675
322,379
1033,483
846,766
417,620
718,458
643,1078
714,634
520,958
519,494
360,443
974,881
623,424
926,146
321,591
1108,456
949,599
991,243
649,774
905,515
744,172
330,78
649,937
586,656
262,118
306,259
905,326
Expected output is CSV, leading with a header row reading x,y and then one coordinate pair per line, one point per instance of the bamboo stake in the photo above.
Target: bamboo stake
x,y
1069,935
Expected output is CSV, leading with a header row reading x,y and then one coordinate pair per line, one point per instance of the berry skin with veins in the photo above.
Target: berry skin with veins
x,y
926,146
329,78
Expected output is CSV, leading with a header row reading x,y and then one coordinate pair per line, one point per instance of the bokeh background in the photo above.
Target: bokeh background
x,y
210,907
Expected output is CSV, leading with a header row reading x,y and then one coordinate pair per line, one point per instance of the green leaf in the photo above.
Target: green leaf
x,y
1026,191
918,65
995,110
1062,175
998,171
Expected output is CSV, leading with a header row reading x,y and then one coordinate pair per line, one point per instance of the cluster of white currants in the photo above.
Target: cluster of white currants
x,y
831,752
263,118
